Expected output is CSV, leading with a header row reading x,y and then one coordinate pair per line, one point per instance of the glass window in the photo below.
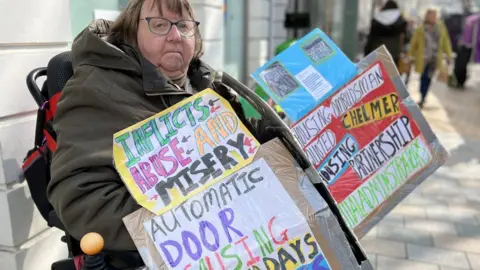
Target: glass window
x,y
234,38
82,12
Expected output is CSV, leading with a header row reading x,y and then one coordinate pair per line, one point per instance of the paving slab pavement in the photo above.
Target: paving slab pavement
x,y
438,226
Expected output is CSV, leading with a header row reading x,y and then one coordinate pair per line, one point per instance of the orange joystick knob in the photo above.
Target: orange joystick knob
x,y
92,243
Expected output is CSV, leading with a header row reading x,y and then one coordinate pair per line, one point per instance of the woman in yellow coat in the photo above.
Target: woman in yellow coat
x,y
427,49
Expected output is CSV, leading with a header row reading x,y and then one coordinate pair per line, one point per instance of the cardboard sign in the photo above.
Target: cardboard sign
x,y
267,215
182,151
247,221
364,143
305,74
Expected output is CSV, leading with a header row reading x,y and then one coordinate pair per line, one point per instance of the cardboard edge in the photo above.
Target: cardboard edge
x,y
323,223
437,150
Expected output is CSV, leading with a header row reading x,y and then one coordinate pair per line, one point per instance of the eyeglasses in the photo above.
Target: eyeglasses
x,y
161,26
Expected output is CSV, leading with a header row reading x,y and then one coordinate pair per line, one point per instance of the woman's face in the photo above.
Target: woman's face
x,y
431,17
171,53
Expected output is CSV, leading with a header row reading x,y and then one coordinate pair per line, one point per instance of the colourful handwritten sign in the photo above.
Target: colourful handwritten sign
x,y
181,151
361,202
304,75
364,143
245,222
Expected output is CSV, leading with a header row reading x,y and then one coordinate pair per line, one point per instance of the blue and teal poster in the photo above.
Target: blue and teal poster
x,y
305,74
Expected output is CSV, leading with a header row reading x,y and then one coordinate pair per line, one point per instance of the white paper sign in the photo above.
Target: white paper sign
x,y
314,82
247,221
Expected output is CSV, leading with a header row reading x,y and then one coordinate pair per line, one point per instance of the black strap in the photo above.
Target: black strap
x,y
50,130
41,115
42,125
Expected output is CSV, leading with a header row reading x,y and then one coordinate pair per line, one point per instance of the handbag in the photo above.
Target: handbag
x,y
404,65
443,74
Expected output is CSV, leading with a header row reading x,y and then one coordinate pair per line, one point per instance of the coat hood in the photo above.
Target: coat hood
x,y
389,22
91,48
388,17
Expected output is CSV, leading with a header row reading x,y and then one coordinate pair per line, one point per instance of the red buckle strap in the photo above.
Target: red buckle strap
x,y
51,141
53,104
50,108
32,157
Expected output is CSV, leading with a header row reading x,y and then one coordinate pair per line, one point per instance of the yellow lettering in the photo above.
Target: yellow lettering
x,y
230,121
216,129
202,138
375,110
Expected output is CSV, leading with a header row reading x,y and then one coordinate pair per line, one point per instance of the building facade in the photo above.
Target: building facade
x,y
31,33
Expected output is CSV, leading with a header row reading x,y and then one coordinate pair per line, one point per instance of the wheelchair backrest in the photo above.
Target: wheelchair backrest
x,y
36,167
59,71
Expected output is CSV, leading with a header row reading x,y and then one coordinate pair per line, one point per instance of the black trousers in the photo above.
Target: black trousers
x,y
461,64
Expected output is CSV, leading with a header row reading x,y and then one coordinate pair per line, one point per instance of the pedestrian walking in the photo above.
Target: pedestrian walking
x,y
429,44
404,65
467,46
388,28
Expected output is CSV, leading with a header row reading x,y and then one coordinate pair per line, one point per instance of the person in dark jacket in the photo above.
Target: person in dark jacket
x,y
387,28
404,55
125,72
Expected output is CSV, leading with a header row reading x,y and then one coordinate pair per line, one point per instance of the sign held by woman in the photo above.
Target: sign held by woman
x,y
182,151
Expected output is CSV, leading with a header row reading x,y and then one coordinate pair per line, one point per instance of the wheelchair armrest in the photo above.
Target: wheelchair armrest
x,y
67,264
54,221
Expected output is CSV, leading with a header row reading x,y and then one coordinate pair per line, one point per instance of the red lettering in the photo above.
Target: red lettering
x,y
163,157
178,151
283,233
151,178
139,180
253,260
219,259
188,266
209,263
158,166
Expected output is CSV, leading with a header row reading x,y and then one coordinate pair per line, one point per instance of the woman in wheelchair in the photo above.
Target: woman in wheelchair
x,y
124,72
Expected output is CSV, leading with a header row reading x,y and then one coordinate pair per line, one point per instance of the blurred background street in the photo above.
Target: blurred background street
x,y
438,225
